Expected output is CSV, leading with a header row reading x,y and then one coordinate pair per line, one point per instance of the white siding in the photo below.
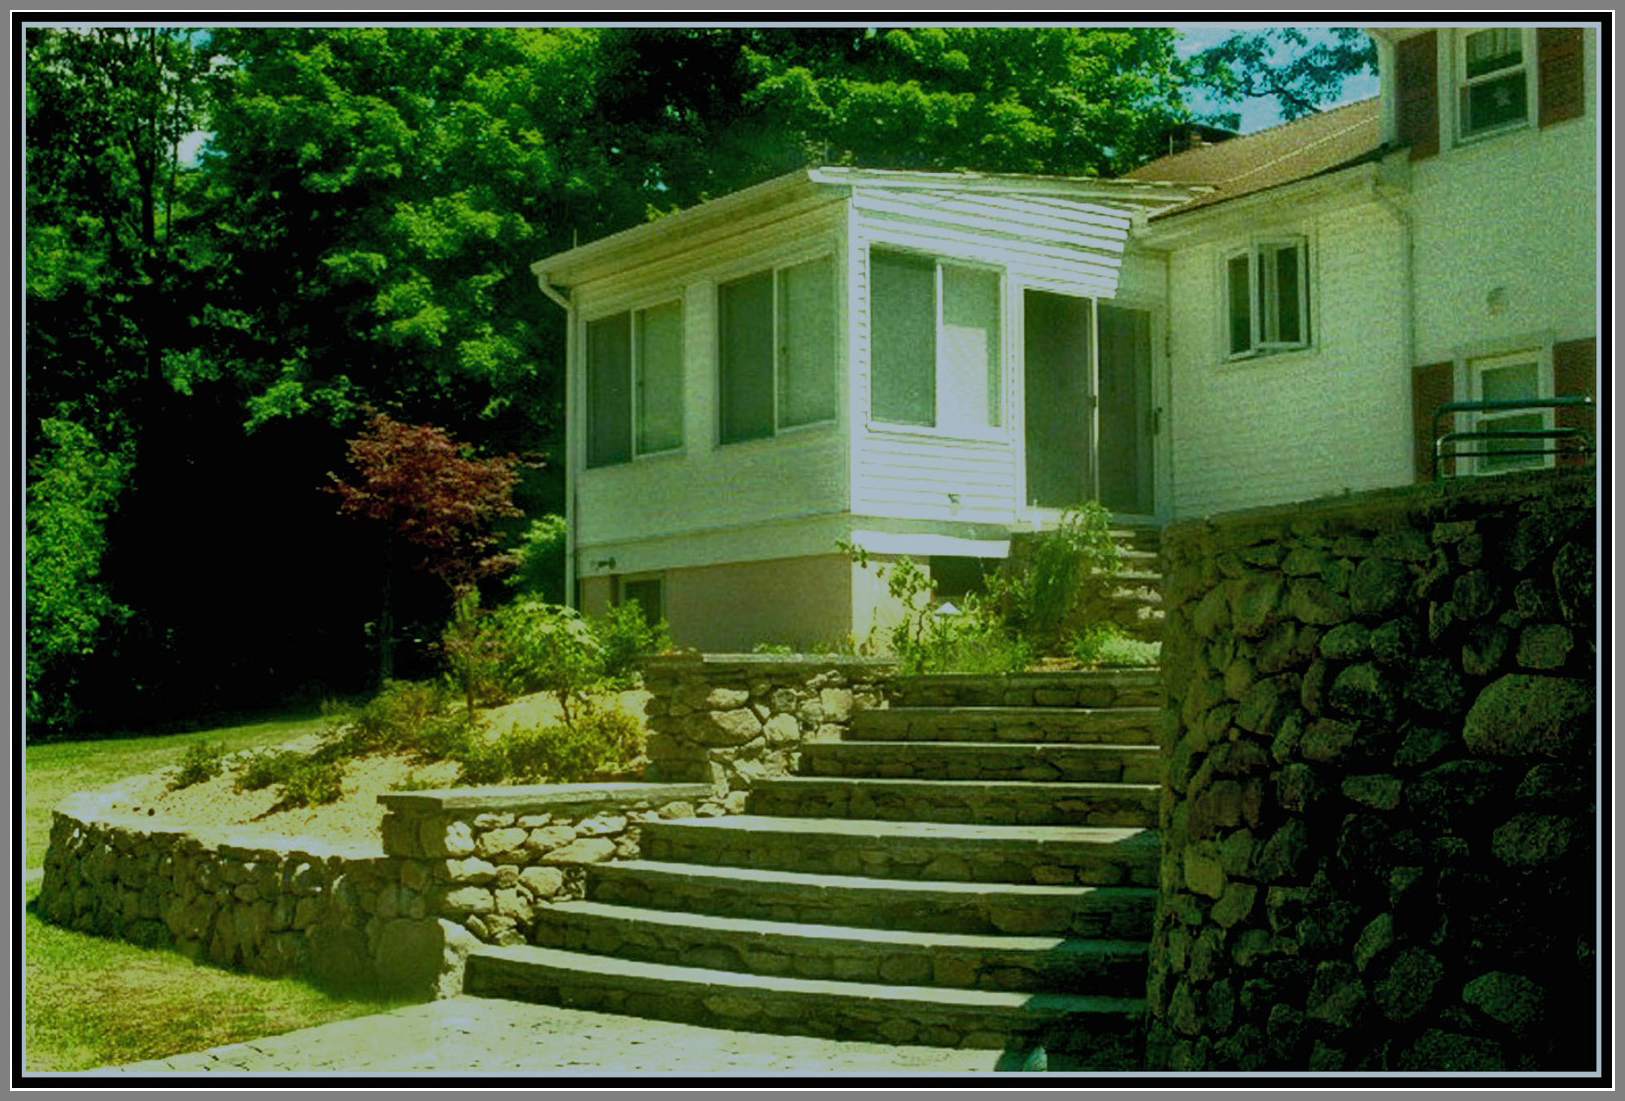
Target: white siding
x,y
1515,214
708,487
1295,425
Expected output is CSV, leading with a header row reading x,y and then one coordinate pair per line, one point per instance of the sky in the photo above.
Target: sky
x,y
1257,114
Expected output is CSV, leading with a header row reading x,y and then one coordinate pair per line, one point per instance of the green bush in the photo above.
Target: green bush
x,y
623,636
598,739
202,761
405,716
540,572
313,783
1105,644
266,767
1073,565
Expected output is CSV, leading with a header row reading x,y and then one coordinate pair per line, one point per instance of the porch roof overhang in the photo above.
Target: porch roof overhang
x,y
1122,201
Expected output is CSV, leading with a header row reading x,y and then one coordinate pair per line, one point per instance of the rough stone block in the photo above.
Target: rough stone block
x,y
1526,715
1515,1001
1532,840
587,850
1364,691
1379,790
1545,646
1378,587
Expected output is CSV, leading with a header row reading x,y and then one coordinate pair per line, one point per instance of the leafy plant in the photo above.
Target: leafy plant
x,y
539,571
201,762
266,767
598,739
313,783
1105,644
405,715
623,636
1073,565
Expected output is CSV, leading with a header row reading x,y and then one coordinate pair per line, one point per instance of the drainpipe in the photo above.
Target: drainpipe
x,y
565,302
1389,190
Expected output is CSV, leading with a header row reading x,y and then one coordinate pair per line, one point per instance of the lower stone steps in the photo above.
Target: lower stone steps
x,y
815,1007
848,953
1087,688
1010,802
958,760
1066,725
931,906
964,852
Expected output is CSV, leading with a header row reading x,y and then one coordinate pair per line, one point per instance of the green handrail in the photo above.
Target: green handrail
x,y
1553,436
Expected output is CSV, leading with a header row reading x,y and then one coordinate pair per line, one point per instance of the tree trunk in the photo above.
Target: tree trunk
x,y
386,617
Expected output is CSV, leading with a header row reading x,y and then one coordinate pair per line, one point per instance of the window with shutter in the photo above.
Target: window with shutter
x,y
1562,73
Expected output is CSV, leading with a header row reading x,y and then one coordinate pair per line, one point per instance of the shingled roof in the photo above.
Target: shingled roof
x,y
1269,158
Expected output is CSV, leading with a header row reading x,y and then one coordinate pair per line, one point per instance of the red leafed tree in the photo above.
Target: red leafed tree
x,y
427,491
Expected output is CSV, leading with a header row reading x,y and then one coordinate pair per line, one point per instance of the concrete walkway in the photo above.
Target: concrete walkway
x,y
466,1036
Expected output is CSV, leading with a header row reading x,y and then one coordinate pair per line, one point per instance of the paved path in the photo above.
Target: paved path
x,y
470,1036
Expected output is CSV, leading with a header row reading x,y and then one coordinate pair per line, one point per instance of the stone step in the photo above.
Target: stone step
x,y
994,802
1100,763
1090,688
1077,725
1059,964
816,1007
963,852
929,906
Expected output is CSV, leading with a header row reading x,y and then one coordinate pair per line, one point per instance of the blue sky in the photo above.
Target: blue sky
x,y
1256,114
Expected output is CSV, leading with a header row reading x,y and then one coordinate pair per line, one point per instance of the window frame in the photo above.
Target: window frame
x,y
635,377
1254,251
1475,365
1001,361
776,269
1460,82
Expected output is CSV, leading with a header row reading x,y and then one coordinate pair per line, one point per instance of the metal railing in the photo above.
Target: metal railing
x,y
1551,440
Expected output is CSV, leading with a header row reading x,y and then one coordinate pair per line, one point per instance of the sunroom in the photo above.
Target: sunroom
x,y
914,363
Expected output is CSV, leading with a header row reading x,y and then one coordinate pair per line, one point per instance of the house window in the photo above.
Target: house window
x,y
1492,79
649,594
935,346
634,384
1267,297
776,350
1521,376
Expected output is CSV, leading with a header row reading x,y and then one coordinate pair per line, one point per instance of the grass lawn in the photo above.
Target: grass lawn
x,y
91,1002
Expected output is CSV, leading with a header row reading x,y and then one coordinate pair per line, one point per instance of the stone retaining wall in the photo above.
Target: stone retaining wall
x,y
730,720
456,867
1378,829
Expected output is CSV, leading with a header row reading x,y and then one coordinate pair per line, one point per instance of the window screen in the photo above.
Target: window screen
x,y
968,365
807,343
745,340
609,390
903,339
660,378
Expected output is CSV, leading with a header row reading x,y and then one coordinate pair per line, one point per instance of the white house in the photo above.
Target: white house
x,y
924,363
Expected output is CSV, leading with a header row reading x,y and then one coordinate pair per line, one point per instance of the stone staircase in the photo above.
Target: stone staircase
x,y
973,867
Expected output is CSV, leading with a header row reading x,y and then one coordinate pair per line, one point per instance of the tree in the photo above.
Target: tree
x,y
1280,63
425,490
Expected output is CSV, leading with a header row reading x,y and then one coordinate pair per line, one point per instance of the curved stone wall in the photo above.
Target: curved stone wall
x,y
1379,821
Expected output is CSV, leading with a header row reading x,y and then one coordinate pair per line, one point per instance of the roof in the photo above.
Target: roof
x,y
735,213
1284,154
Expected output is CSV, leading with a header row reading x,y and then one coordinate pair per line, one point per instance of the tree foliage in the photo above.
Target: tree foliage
x,y
1281,63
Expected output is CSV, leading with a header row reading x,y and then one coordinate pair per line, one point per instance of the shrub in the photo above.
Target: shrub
x,y
623,636
202,761
313,783
262,769
598,739
1106,644
1071,566
405,715
540,555
969,643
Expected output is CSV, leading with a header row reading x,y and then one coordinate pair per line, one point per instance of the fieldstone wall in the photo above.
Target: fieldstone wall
x,y
490,859
729,720
1379,821
456,867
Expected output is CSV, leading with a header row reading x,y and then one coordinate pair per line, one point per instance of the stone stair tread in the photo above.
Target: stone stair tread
x,y
884,829
931,998
756,927
1061,788
970,748
828,882
1003,712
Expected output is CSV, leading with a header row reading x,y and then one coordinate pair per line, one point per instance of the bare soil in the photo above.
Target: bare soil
x,y
355,819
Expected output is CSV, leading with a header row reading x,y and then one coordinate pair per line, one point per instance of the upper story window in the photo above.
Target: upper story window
x,y
1493,71
935,343
1267,297
776,350
634,384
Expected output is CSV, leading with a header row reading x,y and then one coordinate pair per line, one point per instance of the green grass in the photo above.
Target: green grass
x,y
60,769
92,1002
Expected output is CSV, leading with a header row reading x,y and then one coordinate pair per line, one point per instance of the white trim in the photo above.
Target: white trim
x,y
927,543
1453,69
1253,249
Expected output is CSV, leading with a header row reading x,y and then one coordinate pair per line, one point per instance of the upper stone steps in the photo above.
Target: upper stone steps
x,y
849,953
1085,688
1009,802
1099,763
932,906
899,1013
1116,726
969,852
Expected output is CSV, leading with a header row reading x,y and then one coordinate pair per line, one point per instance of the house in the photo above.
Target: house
x,y
923,364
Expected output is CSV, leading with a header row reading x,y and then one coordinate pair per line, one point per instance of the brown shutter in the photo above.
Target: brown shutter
x,y
1431,387
1417,84
1562,73
1574,371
